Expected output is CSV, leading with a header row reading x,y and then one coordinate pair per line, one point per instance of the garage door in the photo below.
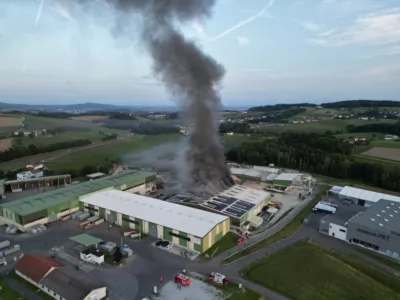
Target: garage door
x,y
52,217
110,218
153,230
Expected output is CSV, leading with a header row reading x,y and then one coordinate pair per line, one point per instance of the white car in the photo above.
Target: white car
x,y
169,247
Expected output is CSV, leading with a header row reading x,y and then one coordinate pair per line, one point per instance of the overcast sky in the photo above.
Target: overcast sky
x,y
273,51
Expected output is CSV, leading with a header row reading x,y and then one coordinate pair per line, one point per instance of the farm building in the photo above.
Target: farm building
x,y
53,205
364,197
187,227
36,183
377,228
286,179
240,203
58,281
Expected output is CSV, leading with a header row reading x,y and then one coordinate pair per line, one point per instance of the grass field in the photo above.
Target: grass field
x,y
394,264
120,148
5,144
383,153
7,293
304,271
237,139
10,121
36,122
226,242
285,232
320,126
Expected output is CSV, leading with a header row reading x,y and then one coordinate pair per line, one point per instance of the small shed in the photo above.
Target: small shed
x,y
85,240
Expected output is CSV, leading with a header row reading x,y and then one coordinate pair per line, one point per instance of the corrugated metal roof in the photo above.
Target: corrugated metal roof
x,y
38,179
366,195
272,176
69,193
190,220
287,176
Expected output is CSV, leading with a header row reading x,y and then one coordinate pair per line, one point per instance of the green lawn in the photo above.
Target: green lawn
x,y
234,293
285,232
7,293
394,264
100,155
226,242
304,271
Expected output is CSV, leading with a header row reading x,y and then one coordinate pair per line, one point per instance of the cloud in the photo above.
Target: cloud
x,y
395,50
327,33
242,41
62,11
329,1
244,22
379,28
382,71
319,42
311,26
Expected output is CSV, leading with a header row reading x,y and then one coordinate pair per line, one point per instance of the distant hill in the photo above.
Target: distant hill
x,y
338,104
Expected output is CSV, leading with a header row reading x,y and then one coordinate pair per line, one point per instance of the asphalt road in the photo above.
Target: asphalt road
x,y
55,154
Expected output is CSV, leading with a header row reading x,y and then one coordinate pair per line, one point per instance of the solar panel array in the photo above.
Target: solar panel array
x,y
229,205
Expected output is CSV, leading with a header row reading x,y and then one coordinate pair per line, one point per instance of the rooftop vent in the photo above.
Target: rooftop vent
x,y
396,211
386,220
387,207
383,211
372,219
378,215
380,224
392,203
391,216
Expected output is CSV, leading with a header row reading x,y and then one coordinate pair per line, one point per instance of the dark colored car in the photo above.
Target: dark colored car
x,y
164,243
158,243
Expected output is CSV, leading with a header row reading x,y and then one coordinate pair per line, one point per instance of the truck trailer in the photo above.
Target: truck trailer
x,y
324,208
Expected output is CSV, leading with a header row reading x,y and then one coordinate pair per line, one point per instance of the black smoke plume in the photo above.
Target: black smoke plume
x,y
191,76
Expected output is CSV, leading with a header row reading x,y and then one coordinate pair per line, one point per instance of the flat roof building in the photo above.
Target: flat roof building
x,y
377,228
188,227
239,202
364,197
51,206
286,179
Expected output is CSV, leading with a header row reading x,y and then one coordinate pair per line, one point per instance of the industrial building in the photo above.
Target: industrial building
x,y
15,186
240,203
58,281
363,197
258,172
287,179
377,228
188,227
53,205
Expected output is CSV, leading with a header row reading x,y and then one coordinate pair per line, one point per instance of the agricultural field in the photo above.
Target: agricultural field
x,y
10,121
237,139
5,144
88,118
306,271
100,155
36,122
383,153
320,127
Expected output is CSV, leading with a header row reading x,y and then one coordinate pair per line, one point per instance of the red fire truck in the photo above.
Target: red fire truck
x,y
182,280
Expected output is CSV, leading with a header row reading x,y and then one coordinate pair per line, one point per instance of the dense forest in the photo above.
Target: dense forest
x,y
21,151
361,103
121,116
318,154
279,107
386,128
235,127
139,127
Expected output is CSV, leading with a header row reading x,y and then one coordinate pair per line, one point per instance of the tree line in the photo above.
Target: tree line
x,y
22,151
387,128
142,127
315,154
279,107
361,103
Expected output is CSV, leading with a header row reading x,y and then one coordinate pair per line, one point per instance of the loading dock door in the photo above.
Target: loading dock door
x,y
361,202
110,218
153,230
52,218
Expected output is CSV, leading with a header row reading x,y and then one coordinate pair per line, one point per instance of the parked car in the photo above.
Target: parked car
x,y
169,246
158,243
165,244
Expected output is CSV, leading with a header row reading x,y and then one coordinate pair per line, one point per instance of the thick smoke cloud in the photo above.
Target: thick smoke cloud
x,y
191,76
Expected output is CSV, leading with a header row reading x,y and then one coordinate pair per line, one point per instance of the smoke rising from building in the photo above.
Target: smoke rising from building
x,y
191,76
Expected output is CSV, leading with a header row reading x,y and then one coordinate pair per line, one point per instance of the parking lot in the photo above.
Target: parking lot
x,y
135,279
343,211
176,250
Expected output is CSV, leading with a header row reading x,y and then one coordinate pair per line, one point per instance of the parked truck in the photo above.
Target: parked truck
x,y
324,208
9,250
4,244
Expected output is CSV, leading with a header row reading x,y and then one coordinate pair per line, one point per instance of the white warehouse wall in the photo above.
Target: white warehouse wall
x,y
337,231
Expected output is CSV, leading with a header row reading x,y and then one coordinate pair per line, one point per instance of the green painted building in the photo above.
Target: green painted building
x,y
52,205
286,179
184,226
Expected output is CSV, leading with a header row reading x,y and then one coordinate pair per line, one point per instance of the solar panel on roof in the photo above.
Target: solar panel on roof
x,y
234,212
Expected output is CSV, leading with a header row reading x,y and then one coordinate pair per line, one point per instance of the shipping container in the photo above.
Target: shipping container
x,y
93,219
76,214
83,224
99,221
135,235
4,244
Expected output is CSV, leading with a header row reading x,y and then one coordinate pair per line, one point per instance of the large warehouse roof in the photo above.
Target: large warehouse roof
x,y
369,196
287,176
72,192
236,201
183,218
384,214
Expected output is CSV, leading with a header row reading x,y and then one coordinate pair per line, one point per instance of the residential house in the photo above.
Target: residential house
x,y
58,281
